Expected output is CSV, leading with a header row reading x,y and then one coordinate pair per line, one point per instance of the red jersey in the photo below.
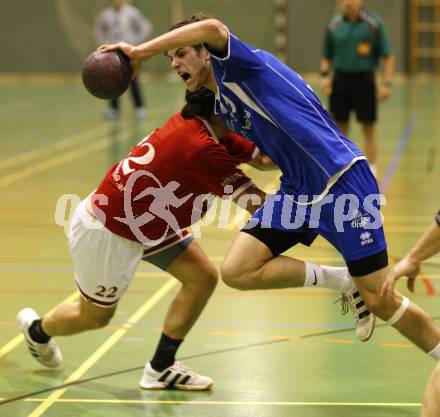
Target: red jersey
x,y
159,188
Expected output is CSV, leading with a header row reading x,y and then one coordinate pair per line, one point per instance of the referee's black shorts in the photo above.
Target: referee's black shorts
x,y
354,91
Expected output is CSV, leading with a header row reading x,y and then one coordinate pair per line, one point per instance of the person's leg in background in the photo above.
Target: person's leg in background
x,y
112,112
371,144
340,103
365,103
138,100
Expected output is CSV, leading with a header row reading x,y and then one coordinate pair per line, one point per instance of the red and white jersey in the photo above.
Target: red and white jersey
x,y
157,189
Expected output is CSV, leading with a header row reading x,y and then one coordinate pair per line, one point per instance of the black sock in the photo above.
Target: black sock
x,y
165,353
37,333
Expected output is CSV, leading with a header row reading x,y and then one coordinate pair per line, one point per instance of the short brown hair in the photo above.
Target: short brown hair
x,y
199,103
192,19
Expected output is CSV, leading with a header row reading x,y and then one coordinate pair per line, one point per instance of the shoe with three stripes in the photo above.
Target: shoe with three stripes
x,y
365,319
176,376
48,353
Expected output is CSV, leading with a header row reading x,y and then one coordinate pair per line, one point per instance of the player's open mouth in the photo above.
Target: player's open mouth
x,y
185,76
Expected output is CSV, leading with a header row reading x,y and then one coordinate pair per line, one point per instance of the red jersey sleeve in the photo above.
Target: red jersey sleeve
x,y
241,149
213,167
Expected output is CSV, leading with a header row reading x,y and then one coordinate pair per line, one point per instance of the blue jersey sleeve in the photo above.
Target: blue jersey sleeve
x,y
240,57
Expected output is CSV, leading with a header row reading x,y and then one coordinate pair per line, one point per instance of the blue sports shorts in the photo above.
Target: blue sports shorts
x,y
348,217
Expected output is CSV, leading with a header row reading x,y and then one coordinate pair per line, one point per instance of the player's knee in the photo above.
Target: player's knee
x,y
389,309
201,284
228,274
210,281
234,279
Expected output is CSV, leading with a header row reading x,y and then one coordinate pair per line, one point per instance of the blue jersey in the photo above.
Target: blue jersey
x,y
270,104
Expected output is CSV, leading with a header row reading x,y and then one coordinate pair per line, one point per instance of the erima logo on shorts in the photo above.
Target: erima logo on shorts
x,y
366,238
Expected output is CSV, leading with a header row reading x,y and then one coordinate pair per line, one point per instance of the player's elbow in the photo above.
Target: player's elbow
x,y
217,33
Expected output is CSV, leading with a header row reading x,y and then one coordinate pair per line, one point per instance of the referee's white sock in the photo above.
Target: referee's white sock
x,y
435,353
333,277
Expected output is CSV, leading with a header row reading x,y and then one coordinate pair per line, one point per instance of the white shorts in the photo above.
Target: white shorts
x,y
104,263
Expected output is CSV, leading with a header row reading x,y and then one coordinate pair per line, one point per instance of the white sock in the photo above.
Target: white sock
x,y
333,277
435,353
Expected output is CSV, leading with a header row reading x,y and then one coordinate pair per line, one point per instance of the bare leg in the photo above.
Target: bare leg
x,y
199,279
261,270
371,142
415,324
431,398
73,318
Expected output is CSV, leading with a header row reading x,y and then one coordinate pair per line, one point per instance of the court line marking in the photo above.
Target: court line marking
x,y
17,105
197,402
105,347
184,358
59,145
13,343
92,134
125,330
100,144
404,139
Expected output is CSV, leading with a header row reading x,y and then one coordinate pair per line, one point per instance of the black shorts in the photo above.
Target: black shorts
x,y
278,241
354,91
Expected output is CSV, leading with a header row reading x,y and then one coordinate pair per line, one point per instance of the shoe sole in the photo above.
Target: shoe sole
x,y
153,388
193,388
178,387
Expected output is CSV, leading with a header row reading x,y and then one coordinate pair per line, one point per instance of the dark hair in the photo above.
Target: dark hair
x,y
199,103
192,19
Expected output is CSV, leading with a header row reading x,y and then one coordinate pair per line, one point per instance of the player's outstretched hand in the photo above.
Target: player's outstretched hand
x,y
406,267
127,49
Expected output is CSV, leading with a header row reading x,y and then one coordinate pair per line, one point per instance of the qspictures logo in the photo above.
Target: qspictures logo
x,y
292,212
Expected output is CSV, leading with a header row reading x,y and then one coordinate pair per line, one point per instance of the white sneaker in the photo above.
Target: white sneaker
x,y
365,319
111,114
47,354
176,376
141,113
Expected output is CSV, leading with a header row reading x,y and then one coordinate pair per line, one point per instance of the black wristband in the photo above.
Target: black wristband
x,y
437,218
325,73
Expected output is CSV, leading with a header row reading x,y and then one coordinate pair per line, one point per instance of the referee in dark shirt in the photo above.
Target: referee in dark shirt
x,y
355,41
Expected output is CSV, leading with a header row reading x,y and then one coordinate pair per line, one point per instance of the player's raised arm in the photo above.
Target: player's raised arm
x,y
211,32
